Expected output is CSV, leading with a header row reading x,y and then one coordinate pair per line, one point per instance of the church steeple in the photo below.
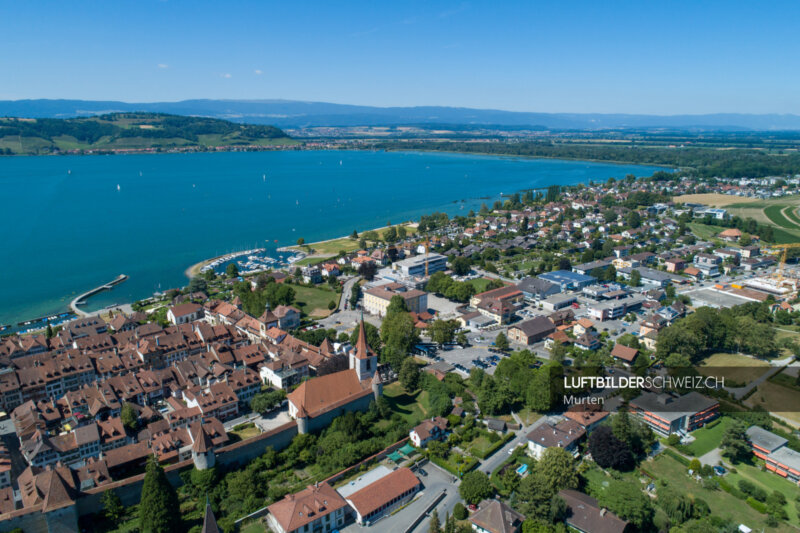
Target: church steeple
x,y
363,351
362,358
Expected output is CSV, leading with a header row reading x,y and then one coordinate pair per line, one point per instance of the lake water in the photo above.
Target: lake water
x,y
67,227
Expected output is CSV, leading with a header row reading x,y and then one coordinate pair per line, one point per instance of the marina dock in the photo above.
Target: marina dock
x,y
81,299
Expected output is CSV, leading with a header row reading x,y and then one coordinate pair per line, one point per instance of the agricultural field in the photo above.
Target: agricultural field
x,y
779,400
734,367
712,199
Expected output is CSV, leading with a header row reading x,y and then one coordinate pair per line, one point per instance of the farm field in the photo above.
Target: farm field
x,y
780,400
712,199
734,367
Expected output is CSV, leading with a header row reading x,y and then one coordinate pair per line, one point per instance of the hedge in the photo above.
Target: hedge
x,y
757,505
469,464
733,491
493,448
713,423
678,457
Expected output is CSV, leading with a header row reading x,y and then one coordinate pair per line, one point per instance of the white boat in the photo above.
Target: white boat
x,y
118,187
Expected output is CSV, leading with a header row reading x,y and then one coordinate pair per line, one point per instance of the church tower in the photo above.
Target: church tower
x,y
362,358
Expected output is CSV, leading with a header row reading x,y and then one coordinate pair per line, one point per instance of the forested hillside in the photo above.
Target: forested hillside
x,y
129,131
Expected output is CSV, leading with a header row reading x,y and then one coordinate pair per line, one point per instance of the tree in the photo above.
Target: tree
x,y
401,232
443,331
398,334
264,401
636,278
435,526
129,416
461,339
501,342
331,305
461,266
367,270
355,291
301,241
557,467
159,511
475,486
396,305
608,451
113,509
390,235
197,284
49,332
564,264
232,270
409,374
459,511
354,235
627,501
734,443
633,219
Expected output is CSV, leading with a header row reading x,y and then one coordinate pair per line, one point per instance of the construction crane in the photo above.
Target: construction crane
x,y
427,251
782,263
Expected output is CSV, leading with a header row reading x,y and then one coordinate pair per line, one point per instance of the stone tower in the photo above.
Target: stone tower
x,y
377,386
202,450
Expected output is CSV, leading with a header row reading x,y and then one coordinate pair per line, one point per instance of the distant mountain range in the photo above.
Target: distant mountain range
x,y
295,114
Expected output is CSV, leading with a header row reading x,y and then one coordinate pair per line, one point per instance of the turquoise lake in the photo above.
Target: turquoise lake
x,y
67,227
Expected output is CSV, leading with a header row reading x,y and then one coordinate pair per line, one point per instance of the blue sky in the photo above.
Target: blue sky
x,y
555,56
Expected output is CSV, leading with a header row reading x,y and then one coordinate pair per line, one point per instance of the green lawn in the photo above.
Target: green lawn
x,y
312,260
769,482
313,301
703,231
706,439
413,407
253,527
480,284
722,504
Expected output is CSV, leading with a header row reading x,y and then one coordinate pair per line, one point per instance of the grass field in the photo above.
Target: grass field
x,y
776,214
413,407
480,284
711,199
782,401
312,260
703,231
721,503
769,482
735,367
248,431
334,246
313,301
253,527
706,439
